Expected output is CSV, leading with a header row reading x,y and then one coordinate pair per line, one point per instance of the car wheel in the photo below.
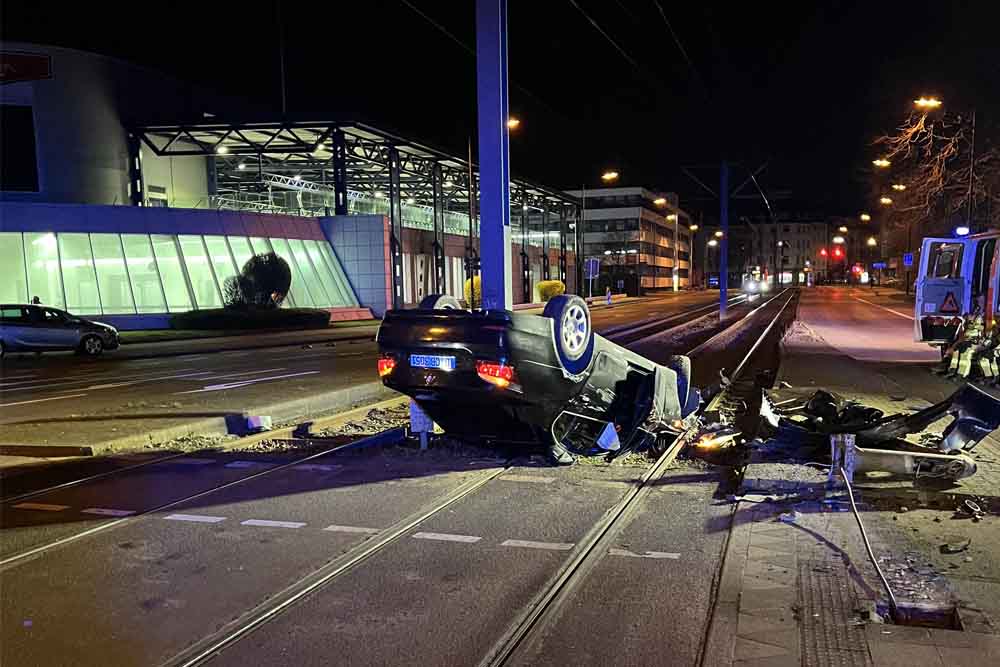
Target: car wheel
x,y
440,302
92,346
573,337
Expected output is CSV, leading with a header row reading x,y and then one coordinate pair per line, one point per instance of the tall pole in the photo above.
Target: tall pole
x,y
281,56
972,168
676,275
724,241
494,154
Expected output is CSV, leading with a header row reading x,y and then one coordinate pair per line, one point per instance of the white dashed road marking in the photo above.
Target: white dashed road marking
x,y
351,529
528,478
528,544
104,511
447,537
244,383
645,554
264,523
192,461
195,518
894,312
42,507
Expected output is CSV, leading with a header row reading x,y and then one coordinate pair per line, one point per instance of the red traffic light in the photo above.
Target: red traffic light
x,y
822,252
837,252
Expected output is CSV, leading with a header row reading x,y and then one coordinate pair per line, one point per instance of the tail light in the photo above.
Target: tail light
x,y
385,366
498,374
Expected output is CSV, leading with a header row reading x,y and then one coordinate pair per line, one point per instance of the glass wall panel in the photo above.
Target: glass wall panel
x,y
171,272
222,261
338,273
260,245
79,276
44,277
311,274
207,293
299,290
242,252
112,279
326,276
144,274
13,286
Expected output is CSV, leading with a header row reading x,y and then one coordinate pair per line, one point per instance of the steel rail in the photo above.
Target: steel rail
x,y
619,333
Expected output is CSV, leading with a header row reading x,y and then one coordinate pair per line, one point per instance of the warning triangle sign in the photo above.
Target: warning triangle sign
x,y
949,305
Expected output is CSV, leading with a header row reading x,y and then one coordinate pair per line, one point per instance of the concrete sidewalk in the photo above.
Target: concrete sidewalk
x,y
798,587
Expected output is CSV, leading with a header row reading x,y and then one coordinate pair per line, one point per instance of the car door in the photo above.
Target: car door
x,y
942,284
17,327
56,330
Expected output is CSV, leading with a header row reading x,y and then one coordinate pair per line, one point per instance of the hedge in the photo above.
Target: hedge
x,y
252,318
474,288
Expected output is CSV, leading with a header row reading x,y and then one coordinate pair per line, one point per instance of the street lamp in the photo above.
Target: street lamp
x,y
838,239
927,103
660,201
513,123
885,201
865,217
872,242
609,176
675,276
712,243
898,187
930,103
719,234
693,228
842,229
881,163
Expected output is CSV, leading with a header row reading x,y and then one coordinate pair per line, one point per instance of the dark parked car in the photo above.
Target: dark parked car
x,y
34,328
504,376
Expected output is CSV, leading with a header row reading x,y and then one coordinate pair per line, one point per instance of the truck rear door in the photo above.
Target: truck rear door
x,y
942,287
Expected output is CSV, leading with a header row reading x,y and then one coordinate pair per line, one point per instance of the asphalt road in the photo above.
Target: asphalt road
x,y
62,399
443,593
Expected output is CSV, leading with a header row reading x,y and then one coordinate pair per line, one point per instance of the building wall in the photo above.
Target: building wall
x,y
179,182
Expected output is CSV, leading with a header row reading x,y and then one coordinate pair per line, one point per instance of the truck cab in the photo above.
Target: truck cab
x,y
956,277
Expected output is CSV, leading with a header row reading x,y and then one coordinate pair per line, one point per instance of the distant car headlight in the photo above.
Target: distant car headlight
x,y
751,285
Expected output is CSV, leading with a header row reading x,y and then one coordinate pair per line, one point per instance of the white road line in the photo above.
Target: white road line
x,y
105,511
528,544
246,464
129,381
305,356
42,507
317,467
244,383
644,554
351,529
527,478
195,518
40,400
190,461
232,375
446,537
264,523
894,312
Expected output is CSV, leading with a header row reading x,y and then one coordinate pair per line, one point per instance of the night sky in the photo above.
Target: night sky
x,y
803,85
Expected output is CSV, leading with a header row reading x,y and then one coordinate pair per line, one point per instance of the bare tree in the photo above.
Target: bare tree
x,y
931,155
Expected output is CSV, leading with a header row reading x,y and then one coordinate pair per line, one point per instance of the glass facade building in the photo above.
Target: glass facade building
x,y
128,274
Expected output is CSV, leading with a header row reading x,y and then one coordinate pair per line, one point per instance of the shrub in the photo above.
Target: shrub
x,y
252,318
474,292
550,288
264,282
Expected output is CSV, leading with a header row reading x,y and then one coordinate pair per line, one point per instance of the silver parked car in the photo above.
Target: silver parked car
x,y
35,328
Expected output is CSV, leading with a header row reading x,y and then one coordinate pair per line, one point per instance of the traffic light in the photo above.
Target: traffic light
x,y
822,252
838,253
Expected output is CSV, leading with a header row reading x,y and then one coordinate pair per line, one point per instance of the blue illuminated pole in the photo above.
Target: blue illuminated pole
x,y
494,154
724,241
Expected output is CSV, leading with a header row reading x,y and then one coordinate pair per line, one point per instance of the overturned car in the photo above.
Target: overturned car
x,y
502,376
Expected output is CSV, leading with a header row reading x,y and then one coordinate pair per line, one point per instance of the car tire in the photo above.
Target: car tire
x,y
92,346
440,302
572,333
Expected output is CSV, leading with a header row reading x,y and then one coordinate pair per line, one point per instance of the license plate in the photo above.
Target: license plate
x,y
432,361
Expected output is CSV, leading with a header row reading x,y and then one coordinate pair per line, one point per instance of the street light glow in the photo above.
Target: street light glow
x,y
672,217
713,243
660,201
693,228
718,234
842,229
872,242
865,217
609,176
607,252
898,187
881,162
221,150
241,165
885,201
838,239
927,103
513,123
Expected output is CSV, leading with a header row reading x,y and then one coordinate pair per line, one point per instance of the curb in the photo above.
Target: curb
x,y
336,400
717,650
237,348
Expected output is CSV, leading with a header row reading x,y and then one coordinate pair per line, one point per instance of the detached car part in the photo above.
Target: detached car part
x,y
498,375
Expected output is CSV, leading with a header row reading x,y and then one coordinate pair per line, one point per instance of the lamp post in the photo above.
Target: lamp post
x,y
871,263
609,176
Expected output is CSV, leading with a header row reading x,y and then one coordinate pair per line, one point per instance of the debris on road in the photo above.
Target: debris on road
x,y
955,547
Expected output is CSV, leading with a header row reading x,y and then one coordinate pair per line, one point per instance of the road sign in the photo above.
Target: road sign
x,y
908,259
592,267
878,265
949,305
